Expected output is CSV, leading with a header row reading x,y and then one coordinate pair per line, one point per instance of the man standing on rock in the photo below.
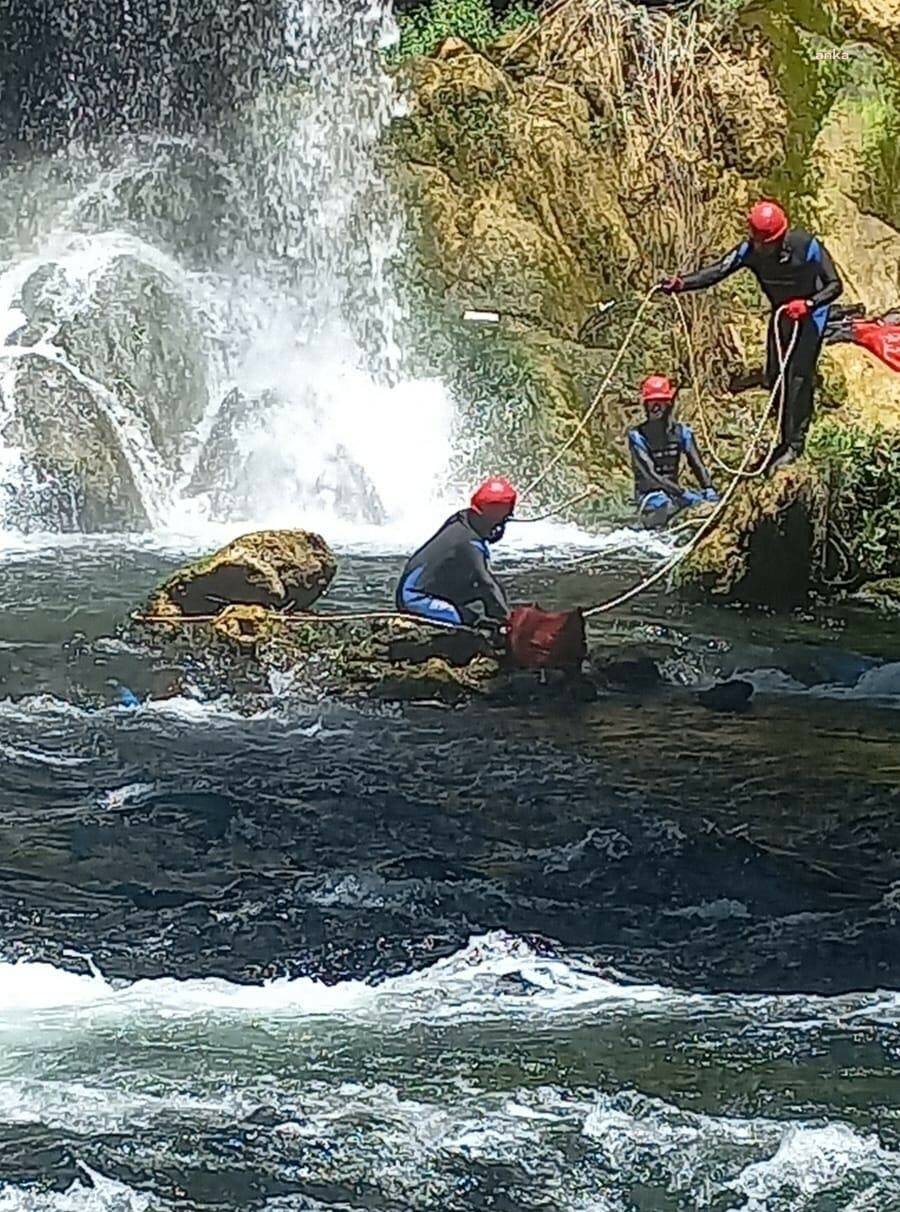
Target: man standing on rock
x,y
448,580
796,273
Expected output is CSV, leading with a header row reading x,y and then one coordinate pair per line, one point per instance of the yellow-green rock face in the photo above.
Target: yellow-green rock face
x,y
582,160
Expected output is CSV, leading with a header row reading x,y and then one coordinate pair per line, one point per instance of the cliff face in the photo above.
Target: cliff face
x,y
580,160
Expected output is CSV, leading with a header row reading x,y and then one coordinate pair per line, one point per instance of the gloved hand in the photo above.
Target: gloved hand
x,y
710,494
797,310
672,286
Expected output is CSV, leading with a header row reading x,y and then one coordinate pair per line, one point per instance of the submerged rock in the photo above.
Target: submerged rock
x,y
277,569
733,696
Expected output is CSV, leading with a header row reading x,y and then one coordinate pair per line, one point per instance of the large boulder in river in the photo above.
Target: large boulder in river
x,y
282,570
822,528
137,337
78,476
246,469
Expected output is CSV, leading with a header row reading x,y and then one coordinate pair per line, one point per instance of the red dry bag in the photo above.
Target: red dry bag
x,y
542,639
881,339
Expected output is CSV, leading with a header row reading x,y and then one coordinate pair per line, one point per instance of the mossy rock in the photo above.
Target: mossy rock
x,y
276,569
761,551
435,680
884,595
391,658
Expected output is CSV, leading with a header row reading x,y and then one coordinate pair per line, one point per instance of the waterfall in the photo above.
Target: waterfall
x,y
200,328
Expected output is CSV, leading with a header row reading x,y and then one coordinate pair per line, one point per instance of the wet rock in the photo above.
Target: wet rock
x,y
458,646
275,569
243,467
557,688
727,696
435,680
78,476
318,655
625,669
138,337
884,595
761,551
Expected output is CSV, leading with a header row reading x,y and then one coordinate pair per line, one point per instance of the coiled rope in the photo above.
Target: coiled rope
x,y
698,397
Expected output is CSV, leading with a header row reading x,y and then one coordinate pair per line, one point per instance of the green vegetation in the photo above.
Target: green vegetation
x,y
880,113
862,471
472,20
468,139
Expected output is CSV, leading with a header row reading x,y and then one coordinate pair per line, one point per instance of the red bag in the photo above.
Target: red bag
x,y
541,639
879,338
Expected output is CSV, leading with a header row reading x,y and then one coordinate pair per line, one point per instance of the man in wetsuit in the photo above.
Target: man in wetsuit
x,y
449,579
656,448
793,268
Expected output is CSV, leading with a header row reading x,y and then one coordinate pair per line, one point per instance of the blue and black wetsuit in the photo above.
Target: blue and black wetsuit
x,y
799,268
656,448
448,577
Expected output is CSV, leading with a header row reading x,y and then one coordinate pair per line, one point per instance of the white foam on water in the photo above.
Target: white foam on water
x,y
103,1195
877,687
494,975
303,174
812,1162
76,1106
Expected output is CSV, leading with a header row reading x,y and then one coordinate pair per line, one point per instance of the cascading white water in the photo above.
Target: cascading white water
x,y
202,329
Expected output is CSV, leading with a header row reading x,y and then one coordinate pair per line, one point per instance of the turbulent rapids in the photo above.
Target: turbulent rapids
x,y
269,948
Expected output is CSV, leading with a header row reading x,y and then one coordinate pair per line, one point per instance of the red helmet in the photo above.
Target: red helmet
x,y
495,495
767,222
657,388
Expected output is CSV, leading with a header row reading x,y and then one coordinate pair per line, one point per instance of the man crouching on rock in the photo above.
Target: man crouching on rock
x,y
448,580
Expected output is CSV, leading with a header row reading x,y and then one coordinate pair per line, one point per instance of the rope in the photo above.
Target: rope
x,y
598,395
673,561
698,399
187,619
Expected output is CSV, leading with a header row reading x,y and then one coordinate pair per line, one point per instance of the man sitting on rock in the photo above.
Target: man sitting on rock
x,y
656,448
448,580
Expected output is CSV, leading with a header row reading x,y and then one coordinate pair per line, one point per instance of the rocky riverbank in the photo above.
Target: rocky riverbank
x,y
578,160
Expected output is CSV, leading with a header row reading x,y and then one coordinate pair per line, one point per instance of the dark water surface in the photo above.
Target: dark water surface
x,y
630,955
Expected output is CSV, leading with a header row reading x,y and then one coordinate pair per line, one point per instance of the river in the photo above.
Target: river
x,y
302,955
273,953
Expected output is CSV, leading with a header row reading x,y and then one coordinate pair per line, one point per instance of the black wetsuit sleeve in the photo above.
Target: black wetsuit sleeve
x,y
832,286
486,589
718,272
695,462
649,474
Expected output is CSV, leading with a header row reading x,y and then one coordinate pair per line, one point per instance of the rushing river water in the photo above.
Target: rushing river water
x,y
270,953
294,955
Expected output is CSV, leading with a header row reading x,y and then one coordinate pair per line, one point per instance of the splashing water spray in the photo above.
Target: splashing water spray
x,y
200,329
